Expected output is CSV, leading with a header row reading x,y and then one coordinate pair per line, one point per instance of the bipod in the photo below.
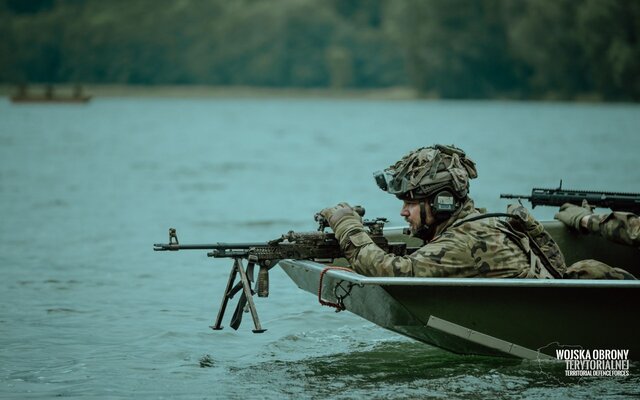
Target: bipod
x,y
246,299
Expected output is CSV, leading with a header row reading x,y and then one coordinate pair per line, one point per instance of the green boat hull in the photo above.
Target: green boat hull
x,y
523,318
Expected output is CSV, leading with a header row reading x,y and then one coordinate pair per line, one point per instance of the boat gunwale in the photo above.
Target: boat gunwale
x,y
361,280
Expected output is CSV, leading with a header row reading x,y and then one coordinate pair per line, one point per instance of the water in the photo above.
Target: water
x,y
87,309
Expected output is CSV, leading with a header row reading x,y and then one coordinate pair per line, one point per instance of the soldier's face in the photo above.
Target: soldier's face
x,y
411,213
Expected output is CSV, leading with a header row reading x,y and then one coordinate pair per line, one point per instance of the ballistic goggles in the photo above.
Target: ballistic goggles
x,y
402,189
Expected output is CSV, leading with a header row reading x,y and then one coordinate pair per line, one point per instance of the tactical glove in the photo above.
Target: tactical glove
x,y
347,226
571,215
335,215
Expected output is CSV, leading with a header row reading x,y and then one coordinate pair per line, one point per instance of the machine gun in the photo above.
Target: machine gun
x,y
616,201
318,246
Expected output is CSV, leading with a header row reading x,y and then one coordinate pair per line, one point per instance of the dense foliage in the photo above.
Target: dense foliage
x,y
446,48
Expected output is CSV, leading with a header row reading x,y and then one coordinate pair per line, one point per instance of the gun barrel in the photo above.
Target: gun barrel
x,y
514,196
213,246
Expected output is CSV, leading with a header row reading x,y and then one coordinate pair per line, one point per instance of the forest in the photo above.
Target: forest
x,y
457,49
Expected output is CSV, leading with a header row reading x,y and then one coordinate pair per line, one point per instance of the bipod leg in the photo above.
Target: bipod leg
x,y
228,293
246,287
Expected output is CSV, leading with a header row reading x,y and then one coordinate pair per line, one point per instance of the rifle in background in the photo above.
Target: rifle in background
x,y
616,201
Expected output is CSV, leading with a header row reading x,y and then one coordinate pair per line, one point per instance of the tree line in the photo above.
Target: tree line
x,y
561,49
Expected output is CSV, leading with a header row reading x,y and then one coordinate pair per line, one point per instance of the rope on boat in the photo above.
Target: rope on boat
x,y
339,306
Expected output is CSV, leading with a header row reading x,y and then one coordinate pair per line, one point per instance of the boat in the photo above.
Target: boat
x,y
521,318
42,99
76,97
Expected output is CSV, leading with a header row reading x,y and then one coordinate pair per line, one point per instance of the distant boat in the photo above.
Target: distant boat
x,y
22,96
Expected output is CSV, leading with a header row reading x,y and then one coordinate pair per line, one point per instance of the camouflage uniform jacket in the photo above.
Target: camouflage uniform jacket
x,y
486,247
619,227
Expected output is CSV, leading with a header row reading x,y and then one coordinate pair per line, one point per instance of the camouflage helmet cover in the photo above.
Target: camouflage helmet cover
x,y
424,171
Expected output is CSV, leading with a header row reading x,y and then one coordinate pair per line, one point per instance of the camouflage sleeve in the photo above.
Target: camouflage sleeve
x,y
619,227
446,257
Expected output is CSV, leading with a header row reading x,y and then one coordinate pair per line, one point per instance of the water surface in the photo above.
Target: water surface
x,y
87,309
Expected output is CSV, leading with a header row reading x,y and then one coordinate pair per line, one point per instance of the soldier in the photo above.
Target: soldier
x,y
619,227
460,241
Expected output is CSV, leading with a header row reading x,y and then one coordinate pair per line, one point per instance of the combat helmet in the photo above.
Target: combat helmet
x,y
426,171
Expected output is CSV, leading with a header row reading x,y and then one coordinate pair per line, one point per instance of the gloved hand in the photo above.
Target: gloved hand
x,y
346,224
335,215
571,215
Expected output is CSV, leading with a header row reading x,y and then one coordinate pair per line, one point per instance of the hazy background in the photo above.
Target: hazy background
x,y
236,121
562,49
88,310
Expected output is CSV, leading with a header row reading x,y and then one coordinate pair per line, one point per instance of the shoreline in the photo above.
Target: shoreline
x,y
204,91
66,91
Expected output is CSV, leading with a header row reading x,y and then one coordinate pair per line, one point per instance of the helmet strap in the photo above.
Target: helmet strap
x,y
424,231
423,214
